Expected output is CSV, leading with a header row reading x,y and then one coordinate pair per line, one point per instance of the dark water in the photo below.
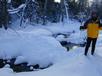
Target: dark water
x,y
23,67
70,45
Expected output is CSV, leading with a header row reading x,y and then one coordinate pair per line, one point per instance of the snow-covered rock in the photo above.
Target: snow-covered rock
x,y
19,60
61,38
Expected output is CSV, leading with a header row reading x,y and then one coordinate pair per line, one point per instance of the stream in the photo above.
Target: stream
x,y
23,67
68,44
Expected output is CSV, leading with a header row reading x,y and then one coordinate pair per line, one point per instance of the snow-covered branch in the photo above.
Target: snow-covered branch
x,y
16,10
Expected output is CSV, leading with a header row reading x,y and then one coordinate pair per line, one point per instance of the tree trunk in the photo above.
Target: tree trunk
x,y
66,9
4,14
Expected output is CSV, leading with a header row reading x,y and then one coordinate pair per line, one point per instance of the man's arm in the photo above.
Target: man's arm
x,y
85,25
100,25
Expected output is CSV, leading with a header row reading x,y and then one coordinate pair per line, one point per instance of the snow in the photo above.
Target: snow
x,y
57,1
63,27
16,10
8,1
61,38
20,59
77,37
33,0
7,66
36,44
76,64
29,48
54,28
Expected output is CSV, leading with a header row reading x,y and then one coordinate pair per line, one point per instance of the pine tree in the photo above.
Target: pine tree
x,y
16,3
4,16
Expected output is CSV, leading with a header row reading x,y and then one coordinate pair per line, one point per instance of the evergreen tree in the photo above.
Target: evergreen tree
x,y
4,16
16,3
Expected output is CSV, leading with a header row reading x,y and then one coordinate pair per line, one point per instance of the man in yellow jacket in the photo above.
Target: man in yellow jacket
x,y
93,26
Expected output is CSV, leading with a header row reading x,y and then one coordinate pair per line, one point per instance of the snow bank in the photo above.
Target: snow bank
x,y
63,27
40,32
77,37
6,72
30,48
75,64
61,38
54,28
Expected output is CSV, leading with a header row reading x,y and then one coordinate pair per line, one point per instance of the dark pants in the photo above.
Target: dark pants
x,y
89,41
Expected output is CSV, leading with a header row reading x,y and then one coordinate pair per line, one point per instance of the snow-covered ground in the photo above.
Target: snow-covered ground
x,y
35,44
30,48
76,64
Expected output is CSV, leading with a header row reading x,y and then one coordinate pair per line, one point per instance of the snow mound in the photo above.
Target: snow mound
x,y
61,38
30,48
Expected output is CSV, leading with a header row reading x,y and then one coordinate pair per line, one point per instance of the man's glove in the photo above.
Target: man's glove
x,y
82,28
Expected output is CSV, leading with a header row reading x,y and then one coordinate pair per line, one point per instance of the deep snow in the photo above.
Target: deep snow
x,y
76,64
30,48
35,44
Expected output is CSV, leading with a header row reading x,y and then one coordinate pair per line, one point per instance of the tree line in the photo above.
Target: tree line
x,y
44,11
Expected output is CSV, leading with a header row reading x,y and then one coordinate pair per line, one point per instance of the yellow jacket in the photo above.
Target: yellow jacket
x,y
92,28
